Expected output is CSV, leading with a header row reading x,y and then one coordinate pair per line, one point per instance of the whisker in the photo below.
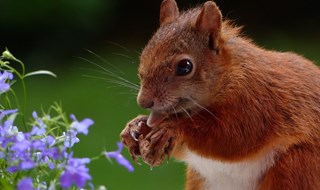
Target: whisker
x,y
115,86
106,71
131,93
175,111
186,112
137,52
109,73
99,66
98,71
123,84
118,45
120,83
113,75
104,60
125,56
202,107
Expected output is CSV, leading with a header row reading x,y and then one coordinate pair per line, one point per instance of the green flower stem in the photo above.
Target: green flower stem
x,y
15,98
97,157
21,77
8,100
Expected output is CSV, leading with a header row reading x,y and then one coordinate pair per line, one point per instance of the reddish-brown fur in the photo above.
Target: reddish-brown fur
x,y
194,181
256,101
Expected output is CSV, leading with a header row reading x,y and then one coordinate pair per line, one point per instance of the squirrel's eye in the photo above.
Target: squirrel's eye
x,y
184,67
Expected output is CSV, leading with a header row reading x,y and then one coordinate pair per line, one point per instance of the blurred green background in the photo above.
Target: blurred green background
x,y
53,35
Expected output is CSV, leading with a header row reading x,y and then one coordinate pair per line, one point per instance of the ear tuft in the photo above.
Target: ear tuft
x,y
209,21
168,12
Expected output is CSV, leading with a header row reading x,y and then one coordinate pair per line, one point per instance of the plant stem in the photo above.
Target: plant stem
x,y
97,157
21,77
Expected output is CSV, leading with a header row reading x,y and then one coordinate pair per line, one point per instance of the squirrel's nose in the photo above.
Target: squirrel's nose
x,y
145,103
145,99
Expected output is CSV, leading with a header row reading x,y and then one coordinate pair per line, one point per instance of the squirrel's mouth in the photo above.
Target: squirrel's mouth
x,y
179,109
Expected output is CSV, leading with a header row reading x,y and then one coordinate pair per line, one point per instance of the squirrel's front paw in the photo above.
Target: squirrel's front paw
x,y
158,144
135,129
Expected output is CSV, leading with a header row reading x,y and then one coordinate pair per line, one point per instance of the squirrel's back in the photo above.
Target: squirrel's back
x,y
283,83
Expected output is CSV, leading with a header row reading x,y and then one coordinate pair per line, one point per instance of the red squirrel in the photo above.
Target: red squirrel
x,y
240,117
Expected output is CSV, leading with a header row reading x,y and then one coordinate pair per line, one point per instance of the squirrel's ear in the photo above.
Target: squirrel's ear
x,y
209,21
168,11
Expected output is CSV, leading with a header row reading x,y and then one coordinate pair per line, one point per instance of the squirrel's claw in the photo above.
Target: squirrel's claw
x,y
157,145
134,130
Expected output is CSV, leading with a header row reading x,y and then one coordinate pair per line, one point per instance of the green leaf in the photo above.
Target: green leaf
x,y
40,72
4,184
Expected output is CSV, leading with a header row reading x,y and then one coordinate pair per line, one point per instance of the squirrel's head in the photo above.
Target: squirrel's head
x,y
182,62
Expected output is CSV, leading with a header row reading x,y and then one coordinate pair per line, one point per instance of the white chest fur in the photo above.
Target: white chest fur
x,y
230,176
